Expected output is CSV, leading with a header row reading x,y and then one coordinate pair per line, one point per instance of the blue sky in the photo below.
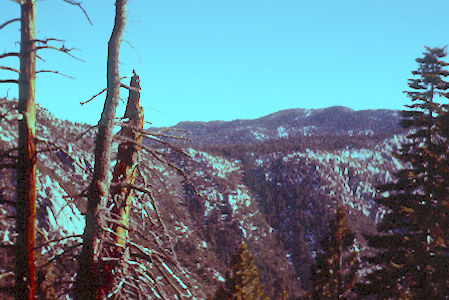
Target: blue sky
x,y
234,59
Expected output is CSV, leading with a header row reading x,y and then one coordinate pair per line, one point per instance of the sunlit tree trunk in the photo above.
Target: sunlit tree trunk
x,y
26,168
87,278
120,200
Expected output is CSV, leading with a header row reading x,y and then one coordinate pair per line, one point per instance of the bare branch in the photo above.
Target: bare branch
x,y
101,92
167,278
9,69
40,58
9,54
6,275
62,49
84,133
45,236
81,7
129,87
54,72
159,157
59,255
60,148
49,40
12,117
9,22
149,149
9,81
154,134
135,50
93,97
58,240
9,116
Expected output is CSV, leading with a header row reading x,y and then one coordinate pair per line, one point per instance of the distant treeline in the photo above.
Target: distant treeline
x,y
299,143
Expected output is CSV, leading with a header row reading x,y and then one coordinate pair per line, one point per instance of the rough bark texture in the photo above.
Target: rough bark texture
x,y
121,197
26,169
87,279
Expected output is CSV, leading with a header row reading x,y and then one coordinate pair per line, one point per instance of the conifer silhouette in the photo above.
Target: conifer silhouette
x,y
336,263
243,282
411,259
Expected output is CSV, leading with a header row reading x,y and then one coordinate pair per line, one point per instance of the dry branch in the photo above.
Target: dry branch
x,y
9,81
93,97
45,42
155,134
9,69
54,72
98,94
62,49
81,7
130,88
9,22
6,275
80,136
9,54
71,248
48,242
121,204
11,117
59,148
135,50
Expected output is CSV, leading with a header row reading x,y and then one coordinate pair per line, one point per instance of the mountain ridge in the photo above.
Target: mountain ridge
x,y
334,120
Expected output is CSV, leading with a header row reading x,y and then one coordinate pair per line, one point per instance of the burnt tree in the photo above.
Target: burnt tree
x,y
87,279
121,198
26,164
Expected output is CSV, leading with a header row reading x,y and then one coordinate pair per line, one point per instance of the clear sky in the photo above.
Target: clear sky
x,y
234,59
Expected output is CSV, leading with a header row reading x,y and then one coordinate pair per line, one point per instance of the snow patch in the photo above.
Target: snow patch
x,y
220,165
282,132
63,217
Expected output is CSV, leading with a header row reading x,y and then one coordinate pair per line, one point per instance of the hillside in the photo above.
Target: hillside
x,y
336,120
273,188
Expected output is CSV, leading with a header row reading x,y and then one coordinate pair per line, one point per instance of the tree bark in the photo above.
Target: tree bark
x,y
26,169
120,200
87,279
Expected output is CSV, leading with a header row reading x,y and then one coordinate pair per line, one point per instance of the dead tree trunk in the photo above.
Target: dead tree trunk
x,y
26,168
120,200
87,279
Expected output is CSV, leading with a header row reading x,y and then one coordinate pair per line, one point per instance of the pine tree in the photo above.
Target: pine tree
x,y
411,258
336,264
243,282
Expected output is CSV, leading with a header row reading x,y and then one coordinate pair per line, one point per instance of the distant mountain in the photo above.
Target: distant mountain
x,y
273,182
336,120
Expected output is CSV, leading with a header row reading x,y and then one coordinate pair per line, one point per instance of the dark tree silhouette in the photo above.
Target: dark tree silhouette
x,y
412,255
336,264
243,282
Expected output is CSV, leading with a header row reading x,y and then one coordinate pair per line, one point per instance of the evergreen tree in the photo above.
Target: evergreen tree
x,y
243,282
411,250
336,264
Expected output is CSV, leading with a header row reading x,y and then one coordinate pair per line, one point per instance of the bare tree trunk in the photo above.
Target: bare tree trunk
x,y
121,193
26,169
87,279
